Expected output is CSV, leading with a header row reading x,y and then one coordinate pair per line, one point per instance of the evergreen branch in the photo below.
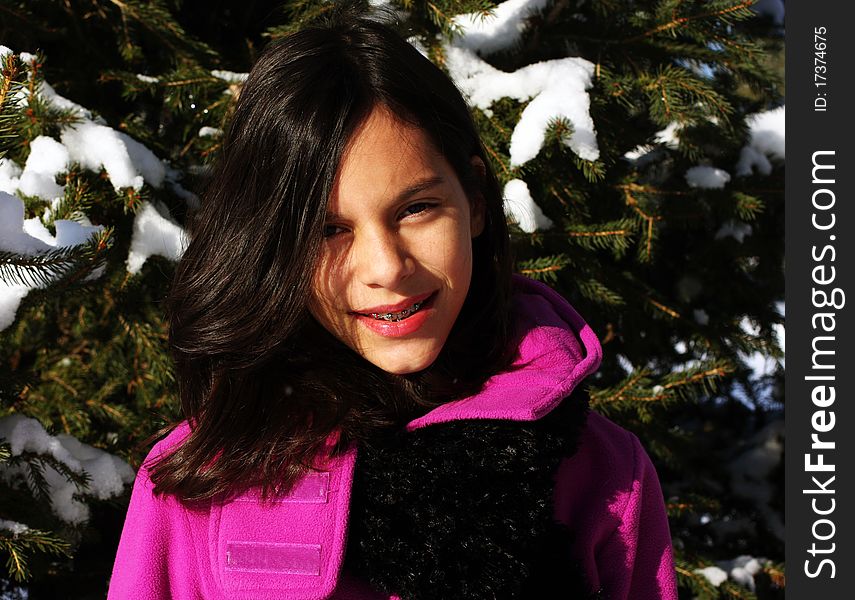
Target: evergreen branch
x,y
745,50
558,196
776,574
632,202
599,292
678,91
132,80
545,22
668,311
42,269
35,270
64,385
549,269
593,171
9,113
620,232
118,415
544,268
191,81
697,582
730,589
296,15
495,123
748,208
17,545
498,160
36,464
706,378
680,21
439,18
97,245
694,503
33,473
11,70
76,200
620,394
636,391
34,67
158,21
613,235
16,564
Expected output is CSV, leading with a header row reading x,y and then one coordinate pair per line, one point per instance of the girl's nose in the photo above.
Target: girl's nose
x,y
383,259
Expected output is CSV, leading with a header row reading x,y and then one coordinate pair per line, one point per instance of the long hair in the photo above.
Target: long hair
x,y
262,384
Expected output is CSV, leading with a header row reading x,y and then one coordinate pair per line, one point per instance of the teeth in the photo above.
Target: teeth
x,y
397,316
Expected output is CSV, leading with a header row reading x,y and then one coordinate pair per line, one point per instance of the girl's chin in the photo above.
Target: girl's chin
x,y
400,362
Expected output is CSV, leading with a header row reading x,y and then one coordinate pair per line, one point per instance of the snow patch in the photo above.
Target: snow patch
x,y
230,76
10,173
741,569
701,316
108,474
714,575
210,132
47,159
31,237
48,93
154,234
766,141
734,229
13,526
703,176
521,207
127,162
665,137
499,30
553,89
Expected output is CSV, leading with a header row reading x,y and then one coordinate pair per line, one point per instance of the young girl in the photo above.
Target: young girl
x,y
376,408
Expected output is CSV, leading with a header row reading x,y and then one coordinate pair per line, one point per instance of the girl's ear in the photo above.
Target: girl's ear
x,y
477,204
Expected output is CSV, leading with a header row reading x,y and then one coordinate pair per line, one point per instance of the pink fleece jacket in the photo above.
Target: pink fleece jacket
x,y
608,493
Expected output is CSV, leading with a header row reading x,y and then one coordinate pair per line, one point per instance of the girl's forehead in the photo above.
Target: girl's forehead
x,y
382,133
385,158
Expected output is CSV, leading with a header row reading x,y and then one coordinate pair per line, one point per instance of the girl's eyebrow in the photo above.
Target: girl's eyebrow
x,y
420,185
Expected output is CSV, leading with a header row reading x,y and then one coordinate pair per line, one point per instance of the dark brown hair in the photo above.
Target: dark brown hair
x,y
262,384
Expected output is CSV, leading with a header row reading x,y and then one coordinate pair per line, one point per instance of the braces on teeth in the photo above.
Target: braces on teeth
x,y
398,315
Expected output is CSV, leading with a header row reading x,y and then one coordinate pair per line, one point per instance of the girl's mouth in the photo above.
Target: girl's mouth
x,y
399,323
401,315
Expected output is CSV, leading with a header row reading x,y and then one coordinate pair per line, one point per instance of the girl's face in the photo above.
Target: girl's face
x,y
397,255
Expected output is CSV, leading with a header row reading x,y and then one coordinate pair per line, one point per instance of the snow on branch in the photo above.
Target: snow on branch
x,y
30,237
154,234
767,141
90,143
521,207
553,89
707,177
499,30
107,474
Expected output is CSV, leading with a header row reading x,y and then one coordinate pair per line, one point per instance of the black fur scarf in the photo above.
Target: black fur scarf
x,y
464,510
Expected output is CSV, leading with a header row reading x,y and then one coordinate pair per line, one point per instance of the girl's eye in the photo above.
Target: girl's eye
x,y
416,208
332,230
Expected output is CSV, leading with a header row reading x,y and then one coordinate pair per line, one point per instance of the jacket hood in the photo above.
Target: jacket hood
x,y
557,350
